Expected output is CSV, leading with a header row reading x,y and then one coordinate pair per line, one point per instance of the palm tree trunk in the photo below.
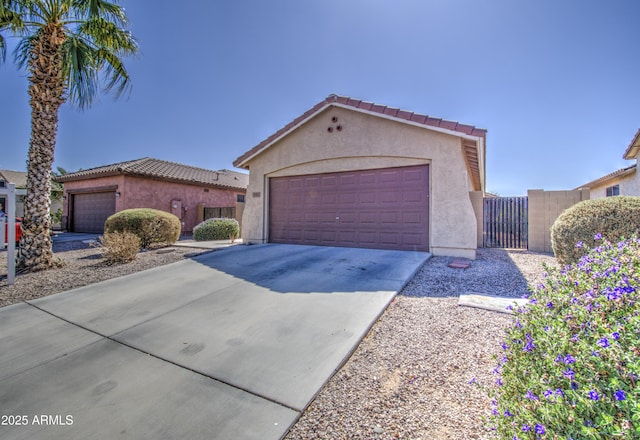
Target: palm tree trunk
x,y
46,89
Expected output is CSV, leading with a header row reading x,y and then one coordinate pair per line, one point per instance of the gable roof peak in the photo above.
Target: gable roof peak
x,y
634,148
470,133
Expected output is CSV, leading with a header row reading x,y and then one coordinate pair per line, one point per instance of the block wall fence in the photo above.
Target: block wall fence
x,y
544,209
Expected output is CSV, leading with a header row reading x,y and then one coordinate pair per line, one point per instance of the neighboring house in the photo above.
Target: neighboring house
x,y
193,194
19,178
623,182
357,174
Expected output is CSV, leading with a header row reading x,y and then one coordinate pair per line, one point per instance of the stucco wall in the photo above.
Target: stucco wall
x,y
85,185
544,208
629,186
369,142
139,192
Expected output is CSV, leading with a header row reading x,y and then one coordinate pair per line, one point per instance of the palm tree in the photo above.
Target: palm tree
x,y
69,48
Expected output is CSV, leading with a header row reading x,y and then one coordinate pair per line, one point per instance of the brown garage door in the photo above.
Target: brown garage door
x,y
90,211
382,209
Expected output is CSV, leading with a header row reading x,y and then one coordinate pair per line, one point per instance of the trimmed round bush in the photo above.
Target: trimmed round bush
x,y
613,218
217,229
152,226
570,366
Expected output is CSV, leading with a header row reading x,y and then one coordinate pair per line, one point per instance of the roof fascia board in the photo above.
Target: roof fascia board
x,y
458,134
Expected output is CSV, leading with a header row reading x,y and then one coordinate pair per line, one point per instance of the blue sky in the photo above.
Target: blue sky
x,y
555,82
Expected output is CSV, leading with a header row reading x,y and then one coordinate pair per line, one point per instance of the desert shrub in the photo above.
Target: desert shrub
x,y
119,247
153,227
571,361
217,229
613,217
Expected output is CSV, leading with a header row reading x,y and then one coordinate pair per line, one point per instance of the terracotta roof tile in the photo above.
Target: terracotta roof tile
x,y
604,179
449,125
161,169
373,108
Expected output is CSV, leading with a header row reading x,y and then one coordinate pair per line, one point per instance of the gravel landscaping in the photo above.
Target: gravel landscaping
x,y
82,264
418,374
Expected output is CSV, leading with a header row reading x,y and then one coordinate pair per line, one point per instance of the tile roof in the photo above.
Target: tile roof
x,y
615,175
634,147
161,169
17,177
471,147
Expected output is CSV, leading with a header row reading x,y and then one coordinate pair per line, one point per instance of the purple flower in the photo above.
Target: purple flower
x,y
507,413
569,373
559,392
550,305
620,395
593,395
604,342
472,381
597,237
526,427
504,346
615,335
530,346
548,394
540,429
579,245
530,395
568,359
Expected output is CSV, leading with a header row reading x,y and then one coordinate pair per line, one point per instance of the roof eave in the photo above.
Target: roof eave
x,y
609,177
477,181
634,147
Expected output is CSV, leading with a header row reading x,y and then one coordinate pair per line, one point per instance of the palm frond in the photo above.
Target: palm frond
x,y
80,66
100,8
114,70
23,50
108,35
9,20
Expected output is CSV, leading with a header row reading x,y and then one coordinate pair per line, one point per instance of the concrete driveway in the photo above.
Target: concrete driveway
x,y
233,344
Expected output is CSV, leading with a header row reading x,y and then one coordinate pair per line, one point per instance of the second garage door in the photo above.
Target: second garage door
x,y
90,210
382,209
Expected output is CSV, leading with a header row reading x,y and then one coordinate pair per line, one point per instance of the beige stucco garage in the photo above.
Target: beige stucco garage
x,y
353,173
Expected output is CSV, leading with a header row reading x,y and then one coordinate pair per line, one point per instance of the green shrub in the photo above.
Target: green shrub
x,y
217,229
153,227
571,361
615,218
119,247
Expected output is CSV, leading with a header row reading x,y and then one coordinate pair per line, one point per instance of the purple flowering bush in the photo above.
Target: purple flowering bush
x,y
570,364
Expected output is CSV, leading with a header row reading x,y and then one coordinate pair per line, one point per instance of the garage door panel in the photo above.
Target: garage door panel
x,y
390,197
367,217
415,218
91,210
385,208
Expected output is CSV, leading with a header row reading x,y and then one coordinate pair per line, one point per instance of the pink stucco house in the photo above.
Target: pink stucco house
x,y
193,194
